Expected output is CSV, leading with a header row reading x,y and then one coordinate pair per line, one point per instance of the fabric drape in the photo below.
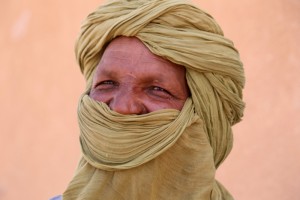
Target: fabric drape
x,y
112,141
180,164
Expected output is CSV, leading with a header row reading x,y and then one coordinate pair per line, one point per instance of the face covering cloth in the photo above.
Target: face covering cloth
x,y
166,154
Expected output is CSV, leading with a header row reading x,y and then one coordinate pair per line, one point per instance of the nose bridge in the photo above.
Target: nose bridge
x,y
126,102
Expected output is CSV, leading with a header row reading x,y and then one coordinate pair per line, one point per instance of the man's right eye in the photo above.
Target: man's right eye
x,y
108,84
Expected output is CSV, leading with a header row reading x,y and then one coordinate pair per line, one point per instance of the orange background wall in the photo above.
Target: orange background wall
x,y
40,83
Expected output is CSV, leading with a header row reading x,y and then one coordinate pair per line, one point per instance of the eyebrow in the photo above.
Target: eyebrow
x,y
149,78
108,73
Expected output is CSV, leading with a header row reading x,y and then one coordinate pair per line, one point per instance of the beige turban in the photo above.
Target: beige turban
x,y
166,154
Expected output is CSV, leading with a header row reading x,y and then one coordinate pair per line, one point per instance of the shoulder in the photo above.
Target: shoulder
x,y
58,197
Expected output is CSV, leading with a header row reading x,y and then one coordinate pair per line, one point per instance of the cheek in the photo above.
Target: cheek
x,y
178,104
99,97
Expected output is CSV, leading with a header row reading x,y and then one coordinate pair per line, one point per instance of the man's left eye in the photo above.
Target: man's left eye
x,y
159,89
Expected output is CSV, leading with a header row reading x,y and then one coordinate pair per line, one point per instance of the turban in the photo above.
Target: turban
x,y
166,154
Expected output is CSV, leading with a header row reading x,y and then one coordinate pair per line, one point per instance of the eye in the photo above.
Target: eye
x,y
107,84
156,88
161,92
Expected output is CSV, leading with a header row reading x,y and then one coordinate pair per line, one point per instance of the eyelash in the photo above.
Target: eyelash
x,y
160,89
157,88
108,82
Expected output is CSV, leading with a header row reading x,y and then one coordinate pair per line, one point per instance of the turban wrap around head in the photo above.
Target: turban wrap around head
x,y
184,34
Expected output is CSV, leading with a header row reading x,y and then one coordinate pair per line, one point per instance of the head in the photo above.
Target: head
x,y
132,80
183,35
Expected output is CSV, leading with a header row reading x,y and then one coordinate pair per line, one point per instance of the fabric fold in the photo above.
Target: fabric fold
x,y
112,141
175,157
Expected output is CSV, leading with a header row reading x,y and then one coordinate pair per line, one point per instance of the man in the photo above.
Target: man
x,y
164,87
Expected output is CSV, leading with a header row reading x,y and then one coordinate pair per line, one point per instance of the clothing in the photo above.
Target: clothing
x,y
59,197
179,156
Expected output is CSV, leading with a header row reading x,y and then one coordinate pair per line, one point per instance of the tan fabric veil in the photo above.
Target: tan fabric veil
x,y
166,154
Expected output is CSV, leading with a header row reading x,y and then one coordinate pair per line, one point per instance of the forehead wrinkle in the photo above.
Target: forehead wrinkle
x,y
116,54
143,55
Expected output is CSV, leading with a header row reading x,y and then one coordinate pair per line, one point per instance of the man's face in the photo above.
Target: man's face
x,y
132,80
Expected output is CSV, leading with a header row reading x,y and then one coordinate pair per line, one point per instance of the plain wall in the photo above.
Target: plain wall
x,y
40,84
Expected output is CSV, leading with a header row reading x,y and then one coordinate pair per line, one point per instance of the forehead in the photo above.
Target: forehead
x,y
131,47
127,55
